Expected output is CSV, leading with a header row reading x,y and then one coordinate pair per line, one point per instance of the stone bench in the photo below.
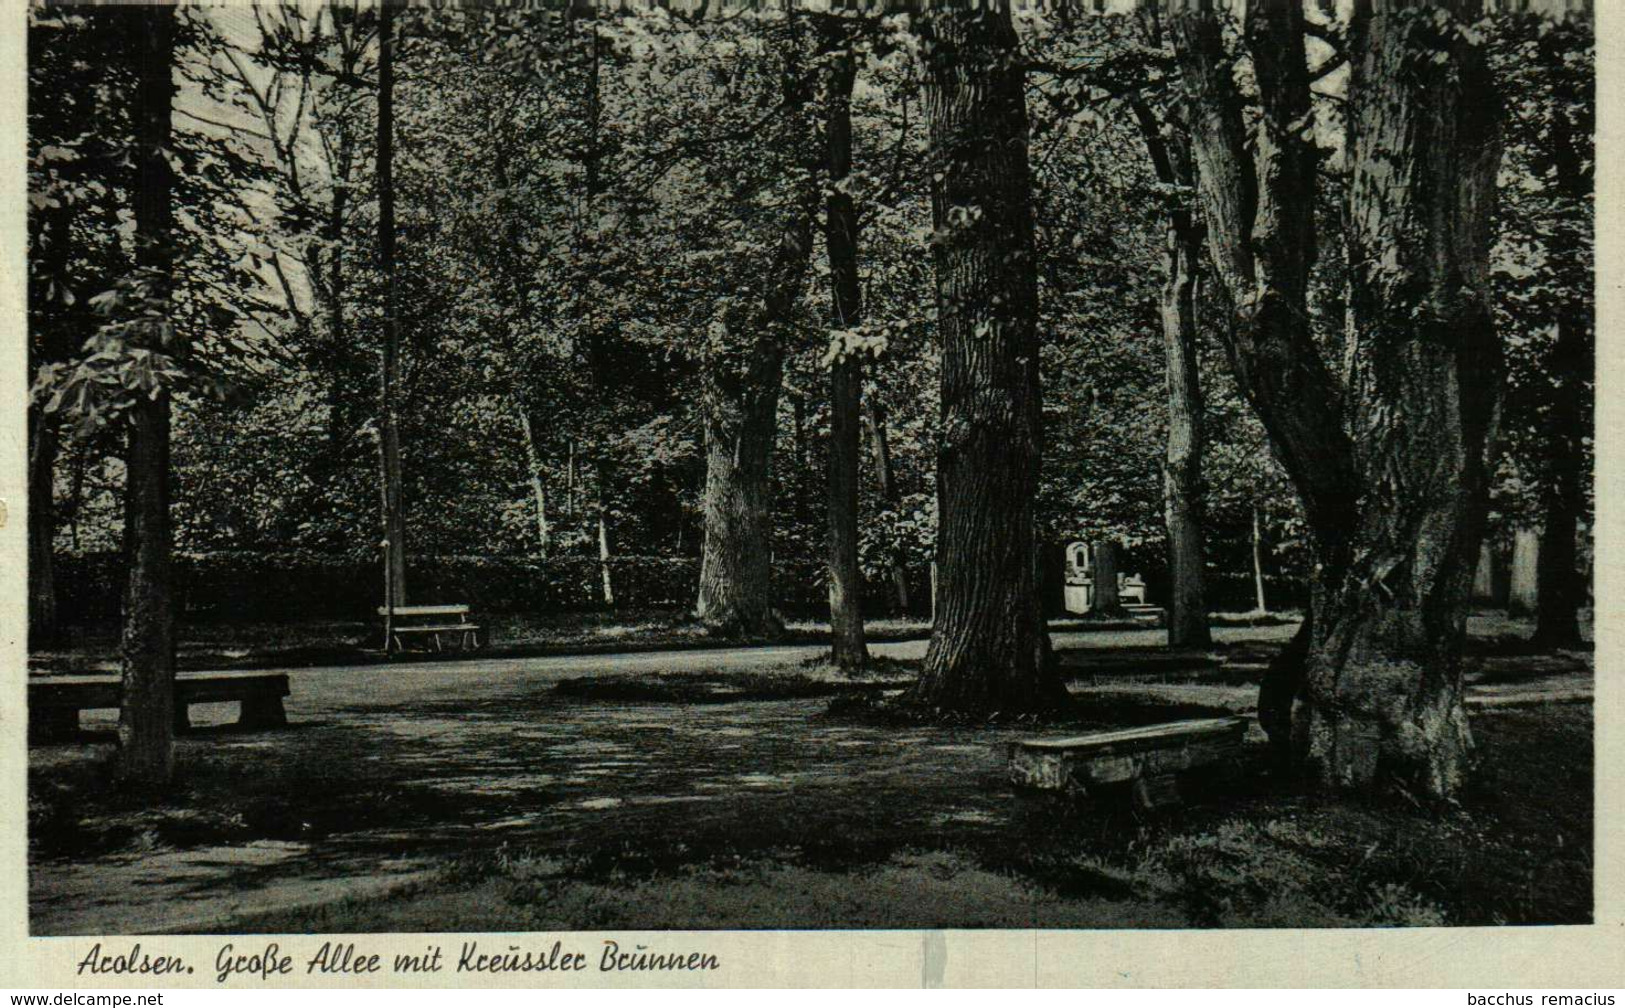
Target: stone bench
x,y
1147,758
54,702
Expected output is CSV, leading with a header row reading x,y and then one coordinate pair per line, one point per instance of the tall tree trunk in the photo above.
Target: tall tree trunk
x,y
570,481
798,429
603,537
1560,592
989,649
1260,602
740,401
848,649
146,755
349,372
56,330
874,417
538,486
342,416
1384,689
1557,595
1182,465
1107,602
1484,575
736,595
1523,594
1376,696
389,371
1571,369
1258,201
43,449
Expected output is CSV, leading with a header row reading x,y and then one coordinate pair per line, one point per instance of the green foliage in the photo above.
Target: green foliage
x,y
585,208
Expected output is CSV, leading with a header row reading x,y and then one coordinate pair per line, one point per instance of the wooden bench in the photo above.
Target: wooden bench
x,y
1148,758
405,622
54,702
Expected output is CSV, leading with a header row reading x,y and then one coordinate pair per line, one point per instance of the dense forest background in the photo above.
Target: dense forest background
x,y
553,309
577,201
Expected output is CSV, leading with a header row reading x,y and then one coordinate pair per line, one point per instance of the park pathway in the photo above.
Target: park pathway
x,y
389,770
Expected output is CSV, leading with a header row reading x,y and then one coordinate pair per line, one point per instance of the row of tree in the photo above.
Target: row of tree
x,y
608,231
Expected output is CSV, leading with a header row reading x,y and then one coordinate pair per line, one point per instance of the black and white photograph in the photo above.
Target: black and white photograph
x,y
712,466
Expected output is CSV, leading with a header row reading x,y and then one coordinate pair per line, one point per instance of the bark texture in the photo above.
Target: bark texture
x,y
1182,464
989,649
848,648
389,370
1384,688
1182,492
146,754
1259,208
1370,690
741,378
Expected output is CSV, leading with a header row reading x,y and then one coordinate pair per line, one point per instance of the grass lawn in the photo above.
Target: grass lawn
x,y
559,794
1518,852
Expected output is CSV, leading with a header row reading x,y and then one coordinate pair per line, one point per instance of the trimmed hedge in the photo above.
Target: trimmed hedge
x,y
251,586
247,586
1236,593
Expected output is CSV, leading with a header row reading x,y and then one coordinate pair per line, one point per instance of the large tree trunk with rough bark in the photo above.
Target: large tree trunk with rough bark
x,y
1258,201
1383,692
989,649
389,369
736,598
740,379
1370,690
848,649
146,755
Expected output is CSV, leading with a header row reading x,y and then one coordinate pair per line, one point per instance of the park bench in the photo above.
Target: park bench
x,y
431,622
1147,758
54,702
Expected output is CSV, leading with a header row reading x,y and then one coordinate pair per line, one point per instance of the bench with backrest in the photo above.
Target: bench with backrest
x,y
431,623
54,702
1149,758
